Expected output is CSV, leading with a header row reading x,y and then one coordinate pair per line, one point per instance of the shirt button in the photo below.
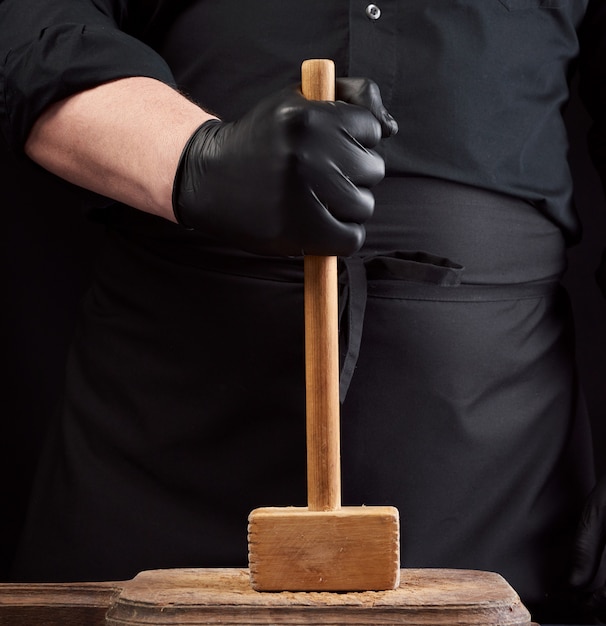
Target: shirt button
x,y
373,12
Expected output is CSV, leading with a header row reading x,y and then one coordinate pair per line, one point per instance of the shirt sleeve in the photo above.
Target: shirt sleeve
x,y
50,49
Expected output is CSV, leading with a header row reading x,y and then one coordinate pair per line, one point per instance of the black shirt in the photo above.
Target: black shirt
x,y
477,86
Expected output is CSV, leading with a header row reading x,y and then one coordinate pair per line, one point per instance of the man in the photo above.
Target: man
x,y
184,396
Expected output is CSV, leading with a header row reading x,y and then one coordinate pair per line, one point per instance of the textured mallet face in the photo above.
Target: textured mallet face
x,y
350,549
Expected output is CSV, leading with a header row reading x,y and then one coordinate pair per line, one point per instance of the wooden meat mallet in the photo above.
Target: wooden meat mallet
x,y
324,546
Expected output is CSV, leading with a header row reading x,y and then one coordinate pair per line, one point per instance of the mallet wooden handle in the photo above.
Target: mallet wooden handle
x,y
323,546
321,343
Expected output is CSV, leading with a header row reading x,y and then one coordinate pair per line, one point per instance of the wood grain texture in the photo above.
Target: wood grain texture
x,y
322,384
318,78
196,597
352,549
321,342
224,596
56,604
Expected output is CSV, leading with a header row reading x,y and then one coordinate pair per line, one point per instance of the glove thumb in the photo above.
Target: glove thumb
x,y
365,93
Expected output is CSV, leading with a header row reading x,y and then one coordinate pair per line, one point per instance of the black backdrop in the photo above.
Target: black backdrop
x,y
47,252
588,303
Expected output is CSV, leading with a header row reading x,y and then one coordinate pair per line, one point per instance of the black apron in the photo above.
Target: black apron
x,y
185,396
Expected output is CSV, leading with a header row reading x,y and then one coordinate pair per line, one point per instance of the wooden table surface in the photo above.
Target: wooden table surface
x,y
194,597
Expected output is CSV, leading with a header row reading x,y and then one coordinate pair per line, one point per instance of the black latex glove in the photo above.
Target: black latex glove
x,y
291,176
588,550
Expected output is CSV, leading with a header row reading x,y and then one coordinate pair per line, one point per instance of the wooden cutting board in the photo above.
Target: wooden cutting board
x,y
194,597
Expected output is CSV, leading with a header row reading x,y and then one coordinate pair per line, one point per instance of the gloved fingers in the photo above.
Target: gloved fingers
x,y
590,540
325,234
345,201
347,239
338,153
358,207
362,167
359,123
342,186
318,123
365,93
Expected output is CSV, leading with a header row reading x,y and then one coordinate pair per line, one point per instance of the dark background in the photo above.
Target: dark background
x,y
588,303
47,253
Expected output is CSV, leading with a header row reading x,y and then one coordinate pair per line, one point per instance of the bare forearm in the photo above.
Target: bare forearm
x,y
122,139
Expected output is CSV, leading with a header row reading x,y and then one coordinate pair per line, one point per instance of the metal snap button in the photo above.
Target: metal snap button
x,y
373,12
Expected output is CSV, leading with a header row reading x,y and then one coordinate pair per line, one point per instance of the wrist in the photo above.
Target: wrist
x,y
188,181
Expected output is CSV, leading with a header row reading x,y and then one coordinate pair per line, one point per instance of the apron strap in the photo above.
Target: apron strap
x,y
414,267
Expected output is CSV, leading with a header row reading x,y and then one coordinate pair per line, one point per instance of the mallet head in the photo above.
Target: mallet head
x,y
349,549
